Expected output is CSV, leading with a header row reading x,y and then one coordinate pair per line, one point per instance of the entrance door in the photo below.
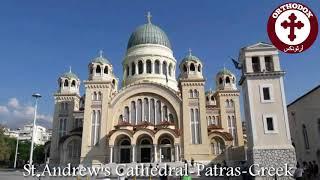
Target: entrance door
x,y
145,154
125,155
166,154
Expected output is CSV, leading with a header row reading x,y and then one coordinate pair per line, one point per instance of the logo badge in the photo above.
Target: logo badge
x,y
292,27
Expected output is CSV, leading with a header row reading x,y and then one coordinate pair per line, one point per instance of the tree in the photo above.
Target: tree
x,y
5,149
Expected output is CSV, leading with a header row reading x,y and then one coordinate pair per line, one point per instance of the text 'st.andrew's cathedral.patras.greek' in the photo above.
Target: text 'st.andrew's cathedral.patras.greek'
x,y
156,115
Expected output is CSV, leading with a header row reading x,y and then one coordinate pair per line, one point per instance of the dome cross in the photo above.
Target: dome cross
x,y
190,52
70,69
101,53
149,16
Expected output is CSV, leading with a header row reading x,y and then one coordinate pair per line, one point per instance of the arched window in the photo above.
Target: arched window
x,y
93,129
73,83
165,113
120,118
231,103
218,146
233,80
99,96
190,93
106,70
149,68
127,70
158,112
213,120
207,98
66,83
227,80
60,83
152,111
133,68
94,96
196,93
126,114
209,120
146,109
199,67
113,82
192,67
220,80
62,127
305,136
139,111
140,67
170,69
171,118
98,69
164,68
195,126
91,69
212,98
165,141
185,69
227,103
157,67
133,113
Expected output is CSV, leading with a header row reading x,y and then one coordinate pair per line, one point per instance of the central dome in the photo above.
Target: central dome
x,y
148,34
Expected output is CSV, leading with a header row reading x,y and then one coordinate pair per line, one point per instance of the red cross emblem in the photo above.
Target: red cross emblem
x,y
292,27
285,24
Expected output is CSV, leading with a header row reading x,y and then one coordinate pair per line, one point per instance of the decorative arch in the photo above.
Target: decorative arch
x,y
115,135
149,66
106,70
98,69
140,67
153,91
73,83
227,80
192,67
66,83
141,133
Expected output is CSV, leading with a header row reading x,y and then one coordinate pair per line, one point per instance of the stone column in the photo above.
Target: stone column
x,y
133,153
144,65
136,67
177,158
111,154
155,153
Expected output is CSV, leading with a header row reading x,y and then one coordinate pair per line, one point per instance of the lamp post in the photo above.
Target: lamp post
x,y
17,146
36,96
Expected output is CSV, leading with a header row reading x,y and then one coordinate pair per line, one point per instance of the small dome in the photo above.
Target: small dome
x,y
101,59
225,71
191,57
69,75
148,34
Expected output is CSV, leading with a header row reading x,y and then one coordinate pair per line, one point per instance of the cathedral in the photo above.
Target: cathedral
x,y
153,115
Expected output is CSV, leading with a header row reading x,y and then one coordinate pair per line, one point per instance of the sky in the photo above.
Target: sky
x,y
39,40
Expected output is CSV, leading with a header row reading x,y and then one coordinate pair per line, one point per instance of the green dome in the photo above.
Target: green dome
x,y
191,57
225,71
69,75
148,34
101,60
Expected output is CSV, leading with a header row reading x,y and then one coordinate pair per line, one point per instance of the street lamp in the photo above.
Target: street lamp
x,y
17,146
36,96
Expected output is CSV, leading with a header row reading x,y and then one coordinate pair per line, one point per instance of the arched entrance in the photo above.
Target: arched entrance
x,y
218,145
124,147
166,149
145,149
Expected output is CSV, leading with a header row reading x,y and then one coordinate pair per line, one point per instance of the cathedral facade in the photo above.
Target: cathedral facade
x,y
155,115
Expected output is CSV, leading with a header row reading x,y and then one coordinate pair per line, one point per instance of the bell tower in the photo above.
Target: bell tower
x,y
195,129
269,140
